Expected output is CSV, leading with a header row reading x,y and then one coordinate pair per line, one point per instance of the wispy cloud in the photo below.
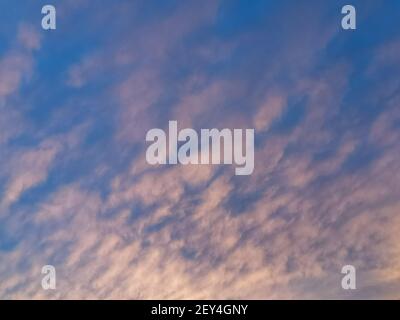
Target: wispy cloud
x,y
77,193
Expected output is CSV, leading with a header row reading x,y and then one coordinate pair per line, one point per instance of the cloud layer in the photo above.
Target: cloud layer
x,y
77,193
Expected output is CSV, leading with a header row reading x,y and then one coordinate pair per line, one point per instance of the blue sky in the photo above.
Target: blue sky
x,y
77,193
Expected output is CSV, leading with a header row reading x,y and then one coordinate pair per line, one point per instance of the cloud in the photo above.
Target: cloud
x,y
16,65
29,168
77,193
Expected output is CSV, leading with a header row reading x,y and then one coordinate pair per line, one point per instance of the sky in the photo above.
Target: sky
x,y
77,193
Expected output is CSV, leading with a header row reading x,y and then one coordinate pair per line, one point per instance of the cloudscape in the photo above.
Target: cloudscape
x,y
76,190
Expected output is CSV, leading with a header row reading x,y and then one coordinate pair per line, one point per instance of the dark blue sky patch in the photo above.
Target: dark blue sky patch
x,y
237,16
292,117
239,203
363,156
162,223
7,241
189,253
